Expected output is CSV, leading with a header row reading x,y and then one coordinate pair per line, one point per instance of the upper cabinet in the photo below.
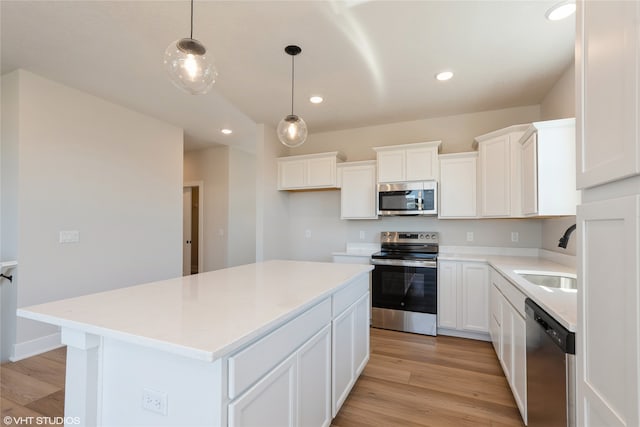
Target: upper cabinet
x,y
458,185
408,162
607,73
548,168
308,172
358,190
499,172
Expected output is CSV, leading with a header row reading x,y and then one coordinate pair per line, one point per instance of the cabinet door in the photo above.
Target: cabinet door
x,y
495,320
321,172
314,380
475,297
361,335
447,294
358,192
608,334
391,166
607,53
343,357
291,174
421,164
271,402
506,339
529,176
495,178
519,361
457,188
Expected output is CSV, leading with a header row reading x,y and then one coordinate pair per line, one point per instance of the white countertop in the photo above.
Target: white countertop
x,y
203,316
561,304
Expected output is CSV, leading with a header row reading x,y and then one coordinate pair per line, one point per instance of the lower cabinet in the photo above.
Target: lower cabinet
x,y
301,373
350,349
463,296
271,402
508,334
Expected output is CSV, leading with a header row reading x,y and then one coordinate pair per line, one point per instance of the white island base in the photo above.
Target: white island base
x,y
279,343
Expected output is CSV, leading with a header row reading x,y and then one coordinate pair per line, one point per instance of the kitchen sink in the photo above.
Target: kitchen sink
x,y
550,280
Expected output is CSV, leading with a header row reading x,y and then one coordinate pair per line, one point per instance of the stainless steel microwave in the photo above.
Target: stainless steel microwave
x,y
408,198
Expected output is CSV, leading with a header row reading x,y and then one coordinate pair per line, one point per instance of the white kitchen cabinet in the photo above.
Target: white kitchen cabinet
x,y
495,320
608,327
308,172
358,190
548,169
607,86
350,349
314,380
458,185
514,350
272,401
463,299
499,172
408,162
508,334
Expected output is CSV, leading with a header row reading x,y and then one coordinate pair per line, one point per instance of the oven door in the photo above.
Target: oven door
x,y
405,288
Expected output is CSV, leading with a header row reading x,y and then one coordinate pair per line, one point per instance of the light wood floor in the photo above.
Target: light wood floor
x,y
411,380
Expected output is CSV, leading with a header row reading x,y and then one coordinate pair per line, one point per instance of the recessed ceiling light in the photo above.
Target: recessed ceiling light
x,y
561,10
316,99
443,76
226,131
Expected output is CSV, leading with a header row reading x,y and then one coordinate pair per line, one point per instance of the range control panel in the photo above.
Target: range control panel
x,y
409,237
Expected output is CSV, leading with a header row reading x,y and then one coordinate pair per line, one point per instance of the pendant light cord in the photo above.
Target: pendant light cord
x,y
292,80
191,20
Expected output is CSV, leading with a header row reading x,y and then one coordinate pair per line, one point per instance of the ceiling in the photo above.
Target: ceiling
x,y
373,61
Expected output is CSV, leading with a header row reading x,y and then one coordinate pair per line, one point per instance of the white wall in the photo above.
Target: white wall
x,y
242,207
272,206
8,210
114,175
212,167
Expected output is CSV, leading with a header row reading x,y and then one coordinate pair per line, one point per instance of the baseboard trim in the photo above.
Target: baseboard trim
x,y
481,336
37,346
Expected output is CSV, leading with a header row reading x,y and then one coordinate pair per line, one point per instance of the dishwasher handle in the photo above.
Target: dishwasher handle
x,y
560,335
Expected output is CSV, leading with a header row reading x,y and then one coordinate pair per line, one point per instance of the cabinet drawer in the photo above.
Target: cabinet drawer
x,y
514,296
350,294
249,365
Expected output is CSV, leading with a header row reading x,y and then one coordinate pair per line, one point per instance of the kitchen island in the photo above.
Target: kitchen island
x,y
274,343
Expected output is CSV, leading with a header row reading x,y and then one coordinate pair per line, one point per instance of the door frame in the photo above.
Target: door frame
x,y
200,186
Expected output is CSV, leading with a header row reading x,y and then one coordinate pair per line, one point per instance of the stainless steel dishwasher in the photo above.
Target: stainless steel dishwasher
x,y
550,370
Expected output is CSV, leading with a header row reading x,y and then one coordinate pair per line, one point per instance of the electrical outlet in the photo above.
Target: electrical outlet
x,y
307,234
515,236
69,236
361,235
154,401
469,236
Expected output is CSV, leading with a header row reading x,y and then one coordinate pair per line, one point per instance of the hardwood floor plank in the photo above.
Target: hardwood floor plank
x,y
23,389
52,405
59,354
43,368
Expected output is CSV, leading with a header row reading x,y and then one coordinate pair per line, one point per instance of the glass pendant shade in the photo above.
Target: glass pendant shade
x,y
292,131
188,66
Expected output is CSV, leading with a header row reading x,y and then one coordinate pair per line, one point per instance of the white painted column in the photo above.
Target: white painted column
x,y
81,387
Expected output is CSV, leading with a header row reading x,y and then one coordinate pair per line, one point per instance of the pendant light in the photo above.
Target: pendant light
x,y
188,66
292,130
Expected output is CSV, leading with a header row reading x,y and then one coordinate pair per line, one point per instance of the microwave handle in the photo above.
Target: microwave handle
x,y
420,201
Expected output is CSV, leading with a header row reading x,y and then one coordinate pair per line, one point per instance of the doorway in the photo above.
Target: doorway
x,y
192,229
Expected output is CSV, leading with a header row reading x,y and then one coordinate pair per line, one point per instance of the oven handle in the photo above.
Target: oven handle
x,y
404,263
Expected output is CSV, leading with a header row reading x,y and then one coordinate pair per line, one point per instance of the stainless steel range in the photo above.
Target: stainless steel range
x,y
405,281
